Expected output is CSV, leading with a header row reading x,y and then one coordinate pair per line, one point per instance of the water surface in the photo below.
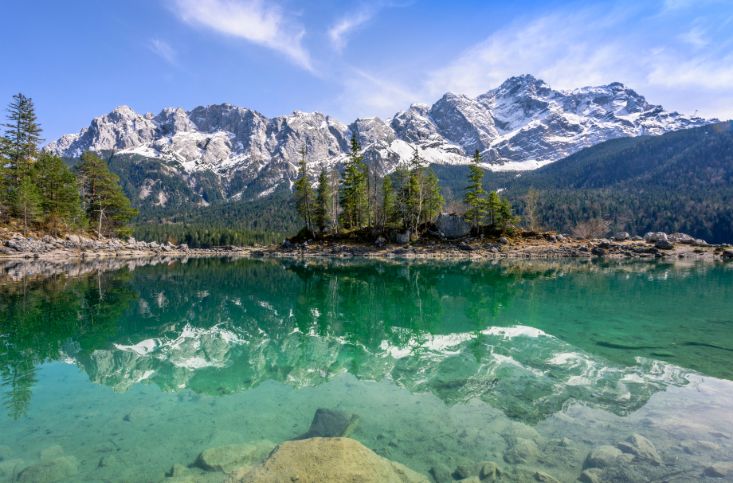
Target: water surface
x,y
446,364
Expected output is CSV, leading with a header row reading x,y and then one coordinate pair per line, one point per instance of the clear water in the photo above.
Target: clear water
x,y
131,372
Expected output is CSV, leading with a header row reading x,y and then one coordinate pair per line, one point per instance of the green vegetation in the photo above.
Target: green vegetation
x,y
39,191
408,200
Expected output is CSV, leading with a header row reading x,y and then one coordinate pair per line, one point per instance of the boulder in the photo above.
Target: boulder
x,y
683,238
9,468
521,450
719,470
653,237
602,457
663,244
61,468
402,237
231,456
727,255
504,240
452,225
330,460
621,236
329,423
380,242
641,448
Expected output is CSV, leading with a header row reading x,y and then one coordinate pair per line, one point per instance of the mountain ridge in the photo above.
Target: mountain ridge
x,y
520,125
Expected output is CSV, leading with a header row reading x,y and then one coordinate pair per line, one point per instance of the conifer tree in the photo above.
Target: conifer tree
x,y
304,193
27,202
324,196
334,205
355,200
105,203
475,196
433,198
505,215
388,202
22,136
59,193
493,207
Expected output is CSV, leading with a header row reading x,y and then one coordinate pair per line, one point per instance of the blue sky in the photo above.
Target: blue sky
x,y
81,58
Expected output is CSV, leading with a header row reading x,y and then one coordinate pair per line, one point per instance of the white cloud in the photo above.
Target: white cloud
x,y
163,49
341,29
256,21
576,49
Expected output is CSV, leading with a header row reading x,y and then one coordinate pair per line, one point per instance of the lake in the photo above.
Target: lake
x,y
119,375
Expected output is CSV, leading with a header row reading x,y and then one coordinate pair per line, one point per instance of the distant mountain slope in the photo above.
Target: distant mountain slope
x,y
223,153
680,181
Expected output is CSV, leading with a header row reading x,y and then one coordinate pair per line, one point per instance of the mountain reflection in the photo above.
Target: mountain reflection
x,y
459,331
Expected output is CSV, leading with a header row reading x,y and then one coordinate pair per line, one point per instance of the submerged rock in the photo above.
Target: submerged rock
x,y
641,448
54,470
602,457
521,450
330,460
329,423
10,467
719,470
232,456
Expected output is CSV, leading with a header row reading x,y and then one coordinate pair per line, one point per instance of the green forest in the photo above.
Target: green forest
x,y
38,191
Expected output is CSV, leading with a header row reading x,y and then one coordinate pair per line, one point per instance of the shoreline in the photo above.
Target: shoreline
x,y
75,249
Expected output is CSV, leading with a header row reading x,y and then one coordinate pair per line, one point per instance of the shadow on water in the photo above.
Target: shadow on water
x,y
567,331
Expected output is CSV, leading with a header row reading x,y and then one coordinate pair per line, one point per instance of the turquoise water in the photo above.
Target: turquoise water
x,y
529,365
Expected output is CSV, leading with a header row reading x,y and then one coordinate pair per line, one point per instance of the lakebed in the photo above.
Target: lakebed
x,y
508,370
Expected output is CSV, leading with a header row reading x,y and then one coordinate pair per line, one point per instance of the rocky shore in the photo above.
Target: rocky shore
x,y
61,254
525,245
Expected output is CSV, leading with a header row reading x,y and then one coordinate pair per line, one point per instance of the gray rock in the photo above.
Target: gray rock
x,y
641,448
663,244
504,240
621,236
591,475
521,450
653,237
489,471
462,472
441,474
402,237
683,238
380,242
452,226
719,470
602,457
10,468
330,423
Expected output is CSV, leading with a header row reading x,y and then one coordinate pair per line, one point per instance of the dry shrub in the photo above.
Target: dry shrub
x,y
593,228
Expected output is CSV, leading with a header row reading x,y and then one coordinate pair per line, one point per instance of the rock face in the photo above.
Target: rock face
x,y
330,460
452,226
522,124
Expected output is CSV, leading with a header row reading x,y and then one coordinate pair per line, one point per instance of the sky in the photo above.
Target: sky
x,y
78,59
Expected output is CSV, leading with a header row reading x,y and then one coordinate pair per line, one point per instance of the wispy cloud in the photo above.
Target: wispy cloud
x,y
256,21
163,49
339,32
689,72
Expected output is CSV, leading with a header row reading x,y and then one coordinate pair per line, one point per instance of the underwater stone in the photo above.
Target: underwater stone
x,y
441,474
5,452
330,460
51,453
641,448
11,467
521,450
46,472
330,423
719,470
489,471
462,472
602,457
591,475
227,458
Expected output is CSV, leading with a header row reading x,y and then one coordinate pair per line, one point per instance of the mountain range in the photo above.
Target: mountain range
x,y
227,153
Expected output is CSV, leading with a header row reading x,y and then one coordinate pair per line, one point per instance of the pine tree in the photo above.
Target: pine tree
x,y
493,207
505,216
433,198
355,200
27,202
106,205
22,136
475,194
304,193
324,196
388,202
59,193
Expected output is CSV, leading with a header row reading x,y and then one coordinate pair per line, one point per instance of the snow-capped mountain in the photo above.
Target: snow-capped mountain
x,y
523,124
